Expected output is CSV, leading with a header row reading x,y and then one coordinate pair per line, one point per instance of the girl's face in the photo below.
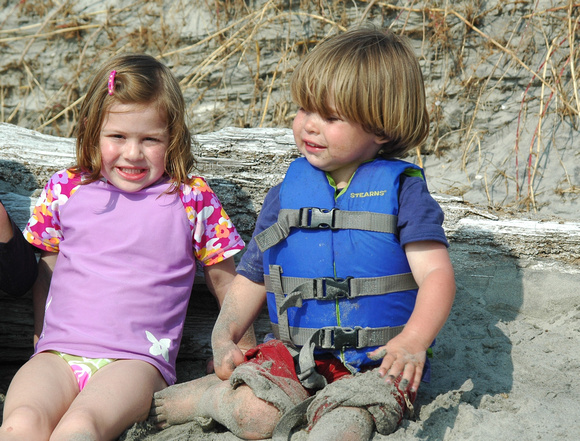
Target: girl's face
x,y
334,145
133,142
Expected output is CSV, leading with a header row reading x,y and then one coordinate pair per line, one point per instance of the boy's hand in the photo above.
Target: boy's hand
x,y
247,342
401,355
225,359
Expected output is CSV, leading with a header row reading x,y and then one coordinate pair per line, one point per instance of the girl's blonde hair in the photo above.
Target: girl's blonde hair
x,y
370,77
139,79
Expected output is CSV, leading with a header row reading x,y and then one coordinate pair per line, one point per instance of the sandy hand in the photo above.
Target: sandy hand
x,y
225,359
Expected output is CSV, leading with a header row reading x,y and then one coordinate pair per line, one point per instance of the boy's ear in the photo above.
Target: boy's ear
x,y
381,139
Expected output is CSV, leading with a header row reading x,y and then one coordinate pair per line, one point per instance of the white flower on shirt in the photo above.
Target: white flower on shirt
x,y
159,347
200,226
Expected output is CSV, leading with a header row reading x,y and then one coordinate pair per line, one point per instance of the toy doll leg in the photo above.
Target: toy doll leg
x,y
116,396
40,393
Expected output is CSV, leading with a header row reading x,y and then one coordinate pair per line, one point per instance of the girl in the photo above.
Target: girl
x,y
120,235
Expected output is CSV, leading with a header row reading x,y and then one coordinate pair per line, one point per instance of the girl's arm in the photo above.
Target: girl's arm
x,y
434,275
240,308
40,290
219,278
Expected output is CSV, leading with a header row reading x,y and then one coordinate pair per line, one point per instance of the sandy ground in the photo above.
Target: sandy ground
x,y
507,363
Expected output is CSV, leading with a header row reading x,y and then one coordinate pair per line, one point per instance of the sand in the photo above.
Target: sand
x,y
507,363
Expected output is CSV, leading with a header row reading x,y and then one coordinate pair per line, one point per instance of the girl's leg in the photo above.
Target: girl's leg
x,y
116,396
39,394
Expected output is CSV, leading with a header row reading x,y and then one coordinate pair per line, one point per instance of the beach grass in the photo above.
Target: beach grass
x,y
487,65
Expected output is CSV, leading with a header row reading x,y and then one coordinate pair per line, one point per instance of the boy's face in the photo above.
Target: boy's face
x,y
334,145
133,142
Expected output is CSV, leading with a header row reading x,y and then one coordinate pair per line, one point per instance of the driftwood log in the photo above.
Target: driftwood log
x,y
241,165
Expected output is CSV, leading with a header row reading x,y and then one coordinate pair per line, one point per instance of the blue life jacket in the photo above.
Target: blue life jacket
x,y
336,275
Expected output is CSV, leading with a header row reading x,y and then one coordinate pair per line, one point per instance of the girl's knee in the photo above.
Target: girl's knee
x,y
26,422
78,425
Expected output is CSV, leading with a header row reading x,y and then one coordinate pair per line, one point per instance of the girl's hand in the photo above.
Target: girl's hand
x,y
401,355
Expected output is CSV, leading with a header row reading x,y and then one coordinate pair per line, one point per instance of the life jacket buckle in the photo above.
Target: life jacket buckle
x,y
345,337
312,217
334,288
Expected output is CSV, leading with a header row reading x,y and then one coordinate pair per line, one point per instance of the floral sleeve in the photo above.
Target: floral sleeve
x,y
43,229
214,236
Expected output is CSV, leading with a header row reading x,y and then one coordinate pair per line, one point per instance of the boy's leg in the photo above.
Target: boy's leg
x,y
250,404
180,403
385,404
116,396
244,414
39,394
344,423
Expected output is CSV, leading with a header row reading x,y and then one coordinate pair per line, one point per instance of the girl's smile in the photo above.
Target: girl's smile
x,y
133,141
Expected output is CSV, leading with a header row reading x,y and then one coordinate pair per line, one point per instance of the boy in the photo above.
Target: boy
x,y
349,253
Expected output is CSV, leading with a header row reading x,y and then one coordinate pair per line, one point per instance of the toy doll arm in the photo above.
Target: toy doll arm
x,y
241,306
406,353
40,290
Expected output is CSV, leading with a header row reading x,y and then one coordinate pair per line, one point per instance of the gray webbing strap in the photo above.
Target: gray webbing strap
x,y
278,231
297,289
334,337
276,282
293,418
306,369
312,217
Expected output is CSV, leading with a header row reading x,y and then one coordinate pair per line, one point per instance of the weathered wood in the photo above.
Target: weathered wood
x,y
241,165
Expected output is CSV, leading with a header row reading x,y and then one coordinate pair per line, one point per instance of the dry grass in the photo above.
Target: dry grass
x,y
234,65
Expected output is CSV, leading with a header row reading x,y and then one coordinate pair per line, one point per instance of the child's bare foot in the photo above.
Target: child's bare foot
x,y
179,404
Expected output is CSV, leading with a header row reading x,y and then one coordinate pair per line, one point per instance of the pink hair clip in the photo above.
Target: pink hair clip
x,y
111,83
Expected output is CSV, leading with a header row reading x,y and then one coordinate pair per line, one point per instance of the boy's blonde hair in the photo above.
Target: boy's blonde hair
x,y
370,77
139,79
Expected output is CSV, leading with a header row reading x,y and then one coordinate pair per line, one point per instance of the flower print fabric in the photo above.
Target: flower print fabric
x,y
43,229
126,264
208,219
205,213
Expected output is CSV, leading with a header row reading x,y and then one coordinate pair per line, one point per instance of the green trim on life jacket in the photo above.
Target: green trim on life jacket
x,y
413,172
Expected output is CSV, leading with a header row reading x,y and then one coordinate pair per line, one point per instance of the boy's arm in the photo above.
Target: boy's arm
x,y
406,353
241,306
40,290
219,278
